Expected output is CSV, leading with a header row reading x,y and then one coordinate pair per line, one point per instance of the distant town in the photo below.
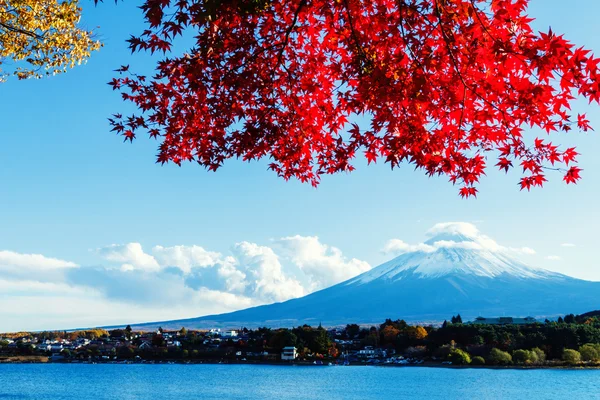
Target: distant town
x,y
523,342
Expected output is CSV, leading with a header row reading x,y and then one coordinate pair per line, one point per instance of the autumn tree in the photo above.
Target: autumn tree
x,y
42,37
446,85
333,351
389,334
417,332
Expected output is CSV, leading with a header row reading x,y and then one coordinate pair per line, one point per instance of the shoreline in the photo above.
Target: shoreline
x,y
308,364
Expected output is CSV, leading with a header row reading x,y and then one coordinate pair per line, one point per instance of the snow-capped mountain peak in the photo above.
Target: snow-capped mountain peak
x,y
449,261
454,248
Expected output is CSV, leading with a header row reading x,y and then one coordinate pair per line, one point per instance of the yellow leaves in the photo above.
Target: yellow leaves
x,y
417,332
390,333
41,37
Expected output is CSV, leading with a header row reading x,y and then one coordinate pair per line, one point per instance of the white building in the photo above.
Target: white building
x,y
229,334
56,347
370,352
367,352
289,353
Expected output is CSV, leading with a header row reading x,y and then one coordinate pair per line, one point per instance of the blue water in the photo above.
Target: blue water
x,y
113,381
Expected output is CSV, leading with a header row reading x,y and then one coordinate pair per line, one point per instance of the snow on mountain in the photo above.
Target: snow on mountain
x,y
457,270
454,252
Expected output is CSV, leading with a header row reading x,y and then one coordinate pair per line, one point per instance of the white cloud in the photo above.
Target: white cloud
x,y
254,270
448,235
10,259
185,257
265,278
234,279
131,255
15,265
553,258
567,245
324,265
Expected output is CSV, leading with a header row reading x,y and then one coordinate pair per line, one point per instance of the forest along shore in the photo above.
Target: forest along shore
x,y
569,342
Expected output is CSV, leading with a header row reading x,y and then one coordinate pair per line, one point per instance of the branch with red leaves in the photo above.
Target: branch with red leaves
x,y
446,85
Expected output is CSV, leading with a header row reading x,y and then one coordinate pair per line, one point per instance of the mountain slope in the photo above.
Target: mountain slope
x,y
451,273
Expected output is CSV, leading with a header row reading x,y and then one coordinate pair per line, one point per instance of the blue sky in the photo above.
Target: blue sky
x,y
72,191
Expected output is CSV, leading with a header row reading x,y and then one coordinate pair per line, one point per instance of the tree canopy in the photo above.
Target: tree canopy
x,y
447,85
42,37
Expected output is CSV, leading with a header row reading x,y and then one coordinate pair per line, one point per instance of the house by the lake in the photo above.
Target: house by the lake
x,y
289,353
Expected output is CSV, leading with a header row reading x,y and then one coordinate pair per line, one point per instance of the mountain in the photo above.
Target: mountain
x,y
453,272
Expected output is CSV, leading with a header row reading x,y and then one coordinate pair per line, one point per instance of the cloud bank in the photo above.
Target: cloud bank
x,y
135,283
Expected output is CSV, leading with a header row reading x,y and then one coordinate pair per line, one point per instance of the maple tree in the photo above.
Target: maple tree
x,y
42,38
446,85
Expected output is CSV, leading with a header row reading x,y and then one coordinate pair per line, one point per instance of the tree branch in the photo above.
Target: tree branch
x,y
288,33
21,31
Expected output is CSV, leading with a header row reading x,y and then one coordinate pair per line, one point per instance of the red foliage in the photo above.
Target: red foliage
x,y
445,84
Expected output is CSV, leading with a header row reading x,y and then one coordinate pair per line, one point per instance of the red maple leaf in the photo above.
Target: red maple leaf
x,y
583,123
572,175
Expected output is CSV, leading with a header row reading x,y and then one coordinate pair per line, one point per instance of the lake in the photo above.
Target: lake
x,y
163,381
